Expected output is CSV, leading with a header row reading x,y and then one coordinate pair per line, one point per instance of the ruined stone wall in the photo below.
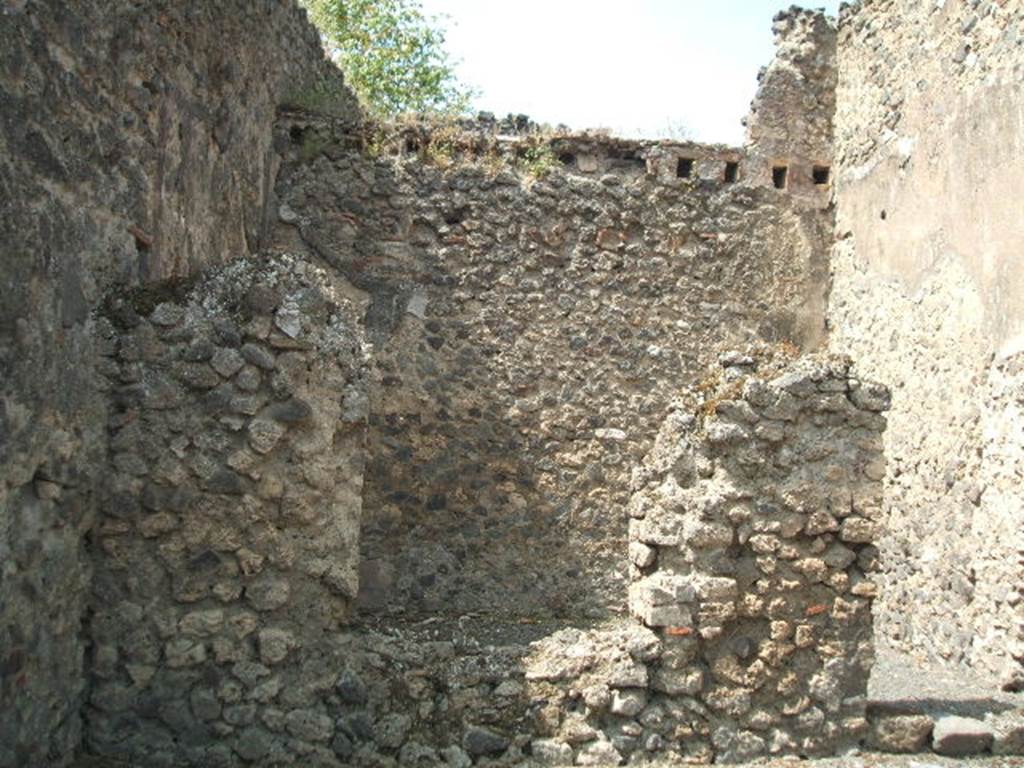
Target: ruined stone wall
x,y
789,128
752,544
135,146
227,537
528,334
928,295
199,436
751,536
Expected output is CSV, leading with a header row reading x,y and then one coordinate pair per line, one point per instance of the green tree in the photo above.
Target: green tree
x,y
392,55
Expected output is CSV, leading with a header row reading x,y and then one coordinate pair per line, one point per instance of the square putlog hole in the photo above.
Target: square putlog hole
x,y
821,175
684,168
779,175
732,172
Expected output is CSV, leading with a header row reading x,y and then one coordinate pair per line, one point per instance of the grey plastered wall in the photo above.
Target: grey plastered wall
x,y
135,146
928,294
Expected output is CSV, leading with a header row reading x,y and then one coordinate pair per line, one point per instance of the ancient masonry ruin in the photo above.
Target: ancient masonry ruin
x,y
325,443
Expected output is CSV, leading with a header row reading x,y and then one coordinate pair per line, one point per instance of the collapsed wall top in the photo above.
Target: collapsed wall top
x,y
790,125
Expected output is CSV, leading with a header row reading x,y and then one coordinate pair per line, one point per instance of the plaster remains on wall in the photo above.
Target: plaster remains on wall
x,y
927,294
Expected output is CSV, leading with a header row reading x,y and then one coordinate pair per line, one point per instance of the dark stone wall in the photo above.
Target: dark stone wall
x,y
227,535
135,148
528,335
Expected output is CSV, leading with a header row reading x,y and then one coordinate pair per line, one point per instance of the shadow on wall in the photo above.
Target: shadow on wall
x,y
528,335
458,515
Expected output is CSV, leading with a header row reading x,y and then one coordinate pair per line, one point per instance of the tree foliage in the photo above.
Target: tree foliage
x,y
392,55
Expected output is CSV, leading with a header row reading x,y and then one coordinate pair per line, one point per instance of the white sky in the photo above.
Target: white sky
x,y
636,68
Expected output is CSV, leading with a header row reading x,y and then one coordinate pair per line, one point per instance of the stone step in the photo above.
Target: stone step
x,y
915,707
951,735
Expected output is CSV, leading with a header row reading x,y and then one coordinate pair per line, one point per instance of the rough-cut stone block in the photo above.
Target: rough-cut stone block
x,y
662,600
600,753
656,529
1009,736
959,736
737,746
551,752
483,741
629,702
679,682
641,555
309,725
901,733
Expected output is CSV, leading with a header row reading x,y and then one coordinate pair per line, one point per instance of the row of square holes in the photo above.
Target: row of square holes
x,y
780,173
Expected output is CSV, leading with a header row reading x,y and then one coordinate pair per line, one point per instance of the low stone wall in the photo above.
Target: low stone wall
x,y
228,536
751,539
752,543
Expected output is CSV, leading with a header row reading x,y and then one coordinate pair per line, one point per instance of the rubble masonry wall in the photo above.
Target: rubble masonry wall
x,y
528,335
135,146
752,548
227,539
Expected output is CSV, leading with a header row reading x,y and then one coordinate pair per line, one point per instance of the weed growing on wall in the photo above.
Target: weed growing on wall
x,y
538,160
447,142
